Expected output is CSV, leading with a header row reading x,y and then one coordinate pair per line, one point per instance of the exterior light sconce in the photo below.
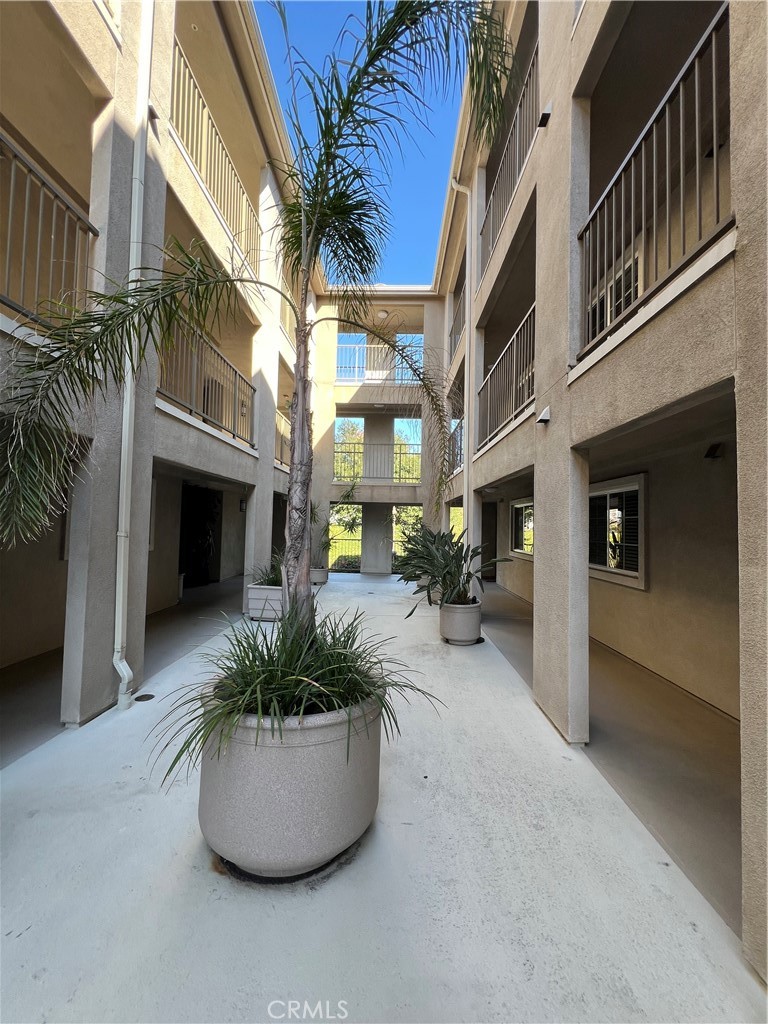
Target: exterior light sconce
x,y
713,452
544,416
545,115
243,504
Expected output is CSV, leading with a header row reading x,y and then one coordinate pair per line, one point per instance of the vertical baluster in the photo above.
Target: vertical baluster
x,y
24,235
715,140
64,247
681,91
697,127
54,211
655,202
643,216
611,312
632,260
668,177
40,214
8,241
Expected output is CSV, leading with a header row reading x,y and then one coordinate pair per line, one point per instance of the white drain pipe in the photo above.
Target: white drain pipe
x,y
141,126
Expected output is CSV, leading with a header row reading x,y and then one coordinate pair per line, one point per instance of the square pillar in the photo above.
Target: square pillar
x,y
376,545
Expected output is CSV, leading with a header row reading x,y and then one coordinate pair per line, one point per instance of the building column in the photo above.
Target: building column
x,y
378,447
748,173
474,359
89,680
376,544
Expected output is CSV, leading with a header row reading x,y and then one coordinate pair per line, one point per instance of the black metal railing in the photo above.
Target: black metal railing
x,y
198,378
398,463
456,447
508,388
45,238
345,554
669,198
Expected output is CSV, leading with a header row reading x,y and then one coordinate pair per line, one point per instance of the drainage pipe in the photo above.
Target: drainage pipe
x,y
141,125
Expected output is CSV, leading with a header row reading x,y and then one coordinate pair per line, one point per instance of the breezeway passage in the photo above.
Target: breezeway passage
x,y
503,879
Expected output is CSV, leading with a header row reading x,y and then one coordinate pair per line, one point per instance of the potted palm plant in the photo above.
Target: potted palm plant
x,y
417,560
287,736
450,572
265,594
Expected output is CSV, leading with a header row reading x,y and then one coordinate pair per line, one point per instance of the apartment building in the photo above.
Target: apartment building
x,y
598,311
153,121
604,267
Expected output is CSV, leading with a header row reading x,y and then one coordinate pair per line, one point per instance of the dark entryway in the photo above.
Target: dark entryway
x,y
200,535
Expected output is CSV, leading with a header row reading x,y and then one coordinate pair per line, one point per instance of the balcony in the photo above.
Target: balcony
x,y
45,239
377,363
195,376
197,132
282,439
508,389
516,150
359,462
459,322
456,448
669,198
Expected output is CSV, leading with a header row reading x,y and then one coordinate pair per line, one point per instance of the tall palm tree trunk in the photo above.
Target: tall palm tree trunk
x,y
297,586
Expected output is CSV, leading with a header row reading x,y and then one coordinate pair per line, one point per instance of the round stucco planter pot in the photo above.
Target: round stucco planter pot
x,y
265,603
285,807
318,576
460,623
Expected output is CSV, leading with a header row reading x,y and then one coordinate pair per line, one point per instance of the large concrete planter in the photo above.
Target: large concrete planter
x,y
318,576
283,807
460,623
265,602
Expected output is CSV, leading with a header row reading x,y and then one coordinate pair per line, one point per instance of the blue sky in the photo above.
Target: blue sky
x,y
419,180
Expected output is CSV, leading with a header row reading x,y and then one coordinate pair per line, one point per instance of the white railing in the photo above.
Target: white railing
x,y
198,133
518,145
377,363
459,321
456,447
44,238
397,463
287,316
197,377
508,388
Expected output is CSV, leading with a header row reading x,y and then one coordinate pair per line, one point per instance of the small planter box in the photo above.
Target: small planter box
x,y
265,603
318,576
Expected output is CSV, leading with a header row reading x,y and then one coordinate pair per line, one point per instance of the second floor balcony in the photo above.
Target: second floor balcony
x,y
459,322
456,447
196,377
508,389
45,238
282,439
362,462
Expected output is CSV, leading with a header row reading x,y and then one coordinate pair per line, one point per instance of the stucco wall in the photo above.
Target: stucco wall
x,y
163,562
33,596
232,536
517,575
685,626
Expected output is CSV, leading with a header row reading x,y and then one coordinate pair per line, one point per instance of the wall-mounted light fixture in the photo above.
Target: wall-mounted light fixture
x,y
243,504
713,452
545,115
544,416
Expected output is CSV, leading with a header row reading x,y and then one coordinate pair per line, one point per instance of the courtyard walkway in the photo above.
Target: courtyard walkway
x,y
503,879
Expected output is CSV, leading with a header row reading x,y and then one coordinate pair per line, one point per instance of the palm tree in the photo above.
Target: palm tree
x,y
361,104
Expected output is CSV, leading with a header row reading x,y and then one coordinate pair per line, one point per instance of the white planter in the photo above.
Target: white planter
x,y
265,602
460,623
318,576
283,807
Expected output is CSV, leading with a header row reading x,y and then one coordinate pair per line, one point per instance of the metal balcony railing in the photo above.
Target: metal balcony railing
x,y
508,388
669,198
45,238
287,316
456,447
282,439
459,320
201,138
198,378
377,363
518,145
398,463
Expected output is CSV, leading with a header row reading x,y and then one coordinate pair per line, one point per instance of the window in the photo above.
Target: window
x,y
616,530
622,292
521,527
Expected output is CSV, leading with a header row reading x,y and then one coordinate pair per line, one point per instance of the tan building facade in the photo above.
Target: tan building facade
x,y
598,312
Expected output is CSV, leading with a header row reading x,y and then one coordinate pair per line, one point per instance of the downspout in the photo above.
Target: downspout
x,y
141,125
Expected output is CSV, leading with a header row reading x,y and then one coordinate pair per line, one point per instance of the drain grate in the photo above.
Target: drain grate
x,y
144,696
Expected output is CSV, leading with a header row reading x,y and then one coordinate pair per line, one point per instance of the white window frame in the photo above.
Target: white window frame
x,y
525,556
638,580
609,286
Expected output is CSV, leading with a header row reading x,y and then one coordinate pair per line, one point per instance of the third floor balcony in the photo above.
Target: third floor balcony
x,y
508,389
364,361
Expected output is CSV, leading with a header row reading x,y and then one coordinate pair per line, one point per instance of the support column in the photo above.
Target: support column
x,y
376,545
474,359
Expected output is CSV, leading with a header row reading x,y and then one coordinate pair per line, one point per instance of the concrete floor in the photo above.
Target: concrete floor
x,y
503,880
30,691
674,759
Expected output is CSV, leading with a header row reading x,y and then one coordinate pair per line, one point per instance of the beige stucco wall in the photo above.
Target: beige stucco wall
x,y
33,594
163,563
232,536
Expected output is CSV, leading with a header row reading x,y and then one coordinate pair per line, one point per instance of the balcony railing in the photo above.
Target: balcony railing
x,y
456,447
518,145
201,138
669,198
459,319
282,439
398,463
378,364
197,377
508,388
287,316
45,238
